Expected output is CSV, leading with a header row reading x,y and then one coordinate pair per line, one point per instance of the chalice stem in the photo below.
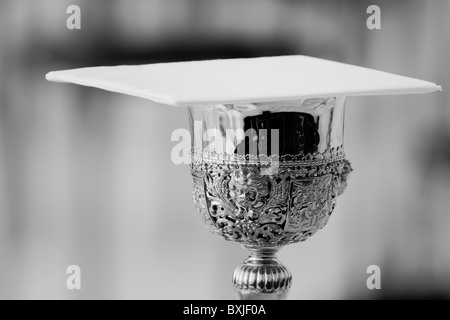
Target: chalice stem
x,y
262,276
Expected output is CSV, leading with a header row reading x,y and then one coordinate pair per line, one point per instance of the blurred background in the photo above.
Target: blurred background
x,y
86,176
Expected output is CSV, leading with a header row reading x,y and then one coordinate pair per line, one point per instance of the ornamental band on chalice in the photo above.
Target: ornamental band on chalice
x,y
269,177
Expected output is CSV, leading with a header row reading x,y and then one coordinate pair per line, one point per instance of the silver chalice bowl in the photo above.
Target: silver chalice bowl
x,y
267,175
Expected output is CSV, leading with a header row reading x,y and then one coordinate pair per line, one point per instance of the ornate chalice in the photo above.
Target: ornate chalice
x,y
270,177
265,174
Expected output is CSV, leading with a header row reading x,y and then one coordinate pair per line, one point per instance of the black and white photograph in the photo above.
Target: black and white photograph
x,y
224,150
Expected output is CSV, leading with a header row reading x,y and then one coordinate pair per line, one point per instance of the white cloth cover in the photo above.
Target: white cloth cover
x,y
242,80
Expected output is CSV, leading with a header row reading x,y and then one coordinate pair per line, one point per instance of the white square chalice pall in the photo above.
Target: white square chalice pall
x,y
267,138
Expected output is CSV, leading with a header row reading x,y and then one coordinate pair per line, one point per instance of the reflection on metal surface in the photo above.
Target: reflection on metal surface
x,y
312,126
239,198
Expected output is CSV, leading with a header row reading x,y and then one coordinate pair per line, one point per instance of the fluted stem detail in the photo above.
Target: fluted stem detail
x,y
262,276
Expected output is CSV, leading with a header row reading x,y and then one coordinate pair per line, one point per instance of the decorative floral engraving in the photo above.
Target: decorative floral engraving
x,y
238,202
